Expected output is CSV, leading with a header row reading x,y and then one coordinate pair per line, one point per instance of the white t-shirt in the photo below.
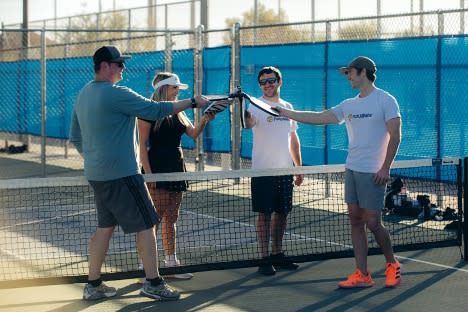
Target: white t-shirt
x,y
271,138
365,120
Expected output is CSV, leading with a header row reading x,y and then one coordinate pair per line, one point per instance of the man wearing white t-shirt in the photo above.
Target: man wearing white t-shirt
x,y
373,123
275,145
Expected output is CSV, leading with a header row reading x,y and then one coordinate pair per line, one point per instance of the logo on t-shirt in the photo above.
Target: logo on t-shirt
x,y
359,116
276,118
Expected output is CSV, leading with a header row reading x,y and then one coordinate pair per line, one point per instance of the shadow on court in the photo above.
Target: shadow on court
x,y
11,168
433,280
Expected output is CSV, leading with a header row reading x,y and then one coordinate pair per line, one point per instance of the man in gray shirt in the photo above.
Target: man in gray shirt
x,y
103,130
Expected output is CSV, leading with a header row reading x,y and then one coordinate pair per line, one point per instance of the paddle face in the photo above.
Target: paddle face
x,y
217,97
217,106
218,103
261,105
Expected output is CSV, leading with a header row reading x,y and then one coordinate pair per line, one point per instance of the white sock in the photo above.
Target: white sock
x,y
171,258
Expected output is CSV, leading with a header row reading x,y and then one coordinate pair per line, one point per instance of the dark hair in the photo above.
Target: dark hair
x,y
97,66
370,75
109,54
269,70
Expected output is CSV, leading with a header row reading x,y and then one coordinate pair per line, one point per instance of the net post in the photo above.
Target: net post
x,y
465,207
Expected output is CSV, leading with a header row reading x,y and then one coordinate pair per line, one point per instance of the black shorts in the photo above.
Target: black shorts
x,y
125,202
272,194
173,186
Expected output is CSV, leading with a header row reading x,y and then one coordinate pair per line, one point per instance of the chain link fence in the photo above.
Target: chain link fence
x,y
422,59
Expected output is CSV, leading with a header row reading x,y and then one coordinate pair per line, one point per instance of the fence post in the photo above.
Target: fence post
x,y
462,17
168,52
24,55
235,109
197,89
129,33
465,207
438,121
325,104
43,104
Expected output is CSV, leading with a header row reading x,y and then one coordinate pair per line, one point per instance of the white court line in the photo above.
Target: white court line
x,y
52,252
246,225
46,249
433,264
333,243
52,218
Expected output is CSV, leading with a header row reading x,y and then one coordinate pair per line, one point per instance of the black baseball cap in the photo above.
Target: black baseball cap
x,y
109,54
360,62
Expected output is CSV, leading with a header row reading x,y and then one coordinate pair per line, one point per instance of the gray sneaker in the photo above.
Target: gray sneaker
x,y
101,291
161,292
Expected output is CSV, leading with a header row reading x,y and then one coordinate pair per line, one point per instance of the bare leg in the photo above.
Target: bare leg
x,y
169,227
381,234
160,199
98,247
278,227
147,248
263,232
359,237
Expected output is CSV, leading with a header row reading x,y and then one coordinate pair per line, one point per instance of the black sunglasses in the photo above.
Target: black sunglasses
x,y
120,64
263,82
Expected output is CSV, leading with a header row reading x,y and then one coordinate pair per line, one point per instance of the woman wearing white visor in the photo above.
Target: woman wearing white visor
x,y
161,152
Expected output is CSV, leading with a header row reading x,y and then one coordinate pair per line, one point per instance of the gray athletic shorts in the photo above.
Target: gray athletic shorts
x,y
360,189
272,194
125,202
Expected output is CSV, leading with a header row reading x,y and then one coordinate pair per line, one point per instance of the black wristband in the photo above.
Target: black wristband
x,y
194,103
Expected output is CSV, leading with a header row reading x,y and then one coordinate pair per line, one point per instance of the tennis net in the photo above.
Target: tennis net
x,y
46,224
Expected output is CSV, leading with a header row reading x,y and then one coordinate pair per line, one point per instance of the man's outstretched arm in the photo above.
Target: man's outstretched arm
x,y
309,117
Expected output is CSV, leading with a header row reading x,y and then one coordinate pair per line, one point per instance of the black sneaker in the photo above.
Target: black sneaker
x,y
286,265
266,269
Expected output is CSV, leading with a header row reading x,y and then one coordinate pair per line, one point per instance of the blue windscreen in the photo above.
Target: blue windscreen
x,y
426,75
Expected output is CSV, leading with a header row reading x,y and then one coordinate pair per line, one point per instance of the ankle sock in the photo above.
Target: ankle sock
x,y
155,281
95,283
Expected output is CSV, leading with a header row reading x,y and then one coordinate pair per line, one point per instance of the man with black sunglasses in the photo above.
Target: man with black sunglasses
x,y
103,131
275,145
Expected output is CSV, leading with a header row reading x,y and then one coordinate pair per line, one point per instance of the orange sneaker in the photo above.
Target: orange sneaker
x,y
393,273
357,279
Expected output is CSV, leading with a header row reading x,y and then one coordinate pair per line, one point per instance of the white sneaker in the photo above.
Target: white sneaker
x,y
176,263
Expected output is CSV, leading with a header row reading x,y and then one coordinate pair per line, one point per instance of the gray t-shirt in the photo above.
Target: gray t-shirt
x,y
103,128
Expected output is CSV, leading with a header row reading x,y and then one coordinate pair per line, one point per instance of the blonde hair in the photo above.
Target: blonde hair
x,y
160,94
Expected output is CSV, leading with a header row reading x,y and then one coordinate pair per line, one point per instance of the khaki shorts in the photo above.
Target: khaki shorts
x,y
361,190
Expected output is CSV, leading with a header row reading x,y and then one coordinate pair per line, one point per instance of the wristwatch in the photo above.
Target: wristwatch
x,y
194,103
